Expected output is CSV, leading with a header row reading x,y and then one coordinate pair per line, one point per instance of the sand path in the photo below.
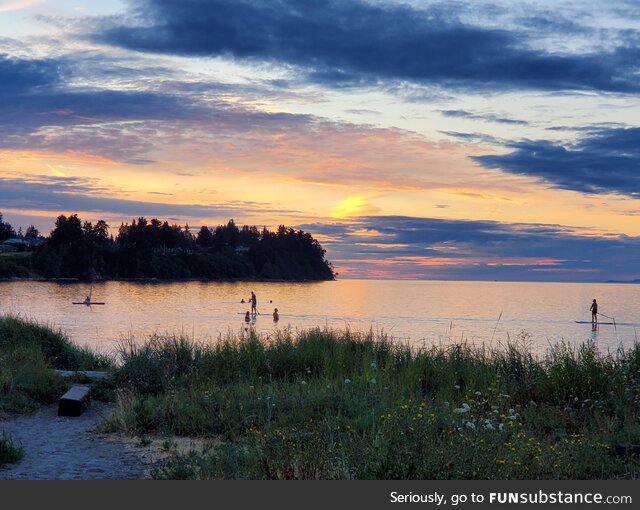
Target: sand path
x,y
61,448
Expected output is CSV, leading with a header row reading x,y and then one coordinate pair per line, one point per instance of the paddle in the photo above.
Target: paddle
x,y
611,318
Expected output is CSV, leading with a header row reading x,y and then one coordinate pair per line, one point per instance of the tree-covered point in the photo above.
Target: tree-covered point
x,y
155,249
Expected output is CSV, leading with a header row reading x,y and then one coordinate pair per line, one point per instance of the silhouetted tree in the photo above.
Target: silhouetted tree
x,y
153,248
6,230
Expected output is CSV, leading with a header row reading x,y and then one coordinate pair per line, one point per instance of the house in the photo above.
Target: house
x,y
7,248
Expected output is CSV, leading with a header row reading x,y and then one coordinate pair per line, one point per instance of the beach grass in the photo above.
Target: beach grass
x,y
339,404
321,404
9,451
29,352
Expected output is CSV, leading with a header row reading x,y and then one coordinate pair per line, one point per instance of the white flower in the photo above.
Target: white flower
x,y
347,381
501,426
374,365
471,425
456,386
488,425
478,393
373,380
303,382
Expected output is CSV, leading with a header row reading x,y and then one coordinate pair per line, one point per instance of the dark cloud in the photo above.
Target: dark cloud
x,y
486,117
352,42
459,249
39,109
605,161
18,76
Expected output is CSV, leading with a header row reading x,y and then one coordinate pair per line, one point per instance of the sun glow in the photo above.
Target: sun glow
x,y
352,206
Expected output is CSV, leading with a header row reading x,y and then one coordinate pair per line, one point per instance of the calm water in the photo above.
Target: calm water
x,y
415,311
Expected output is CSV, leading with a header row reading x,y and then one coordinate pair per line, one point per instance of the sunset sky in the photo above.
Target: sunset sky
x,y
487,139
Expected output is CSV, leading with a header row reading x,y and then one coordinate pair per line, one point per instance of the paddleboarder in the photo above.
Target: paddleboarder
x,y
594,312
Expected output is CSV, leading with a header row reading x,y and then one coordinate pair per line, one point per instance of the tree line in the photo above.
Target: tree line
x,y
155,249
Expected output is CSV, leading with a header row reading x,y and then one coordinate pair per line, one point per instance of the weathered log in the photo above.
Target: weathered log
x,y
75,401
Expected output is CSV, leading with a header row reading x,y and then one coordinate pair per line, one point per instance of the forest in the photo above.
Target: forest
x,y
147,249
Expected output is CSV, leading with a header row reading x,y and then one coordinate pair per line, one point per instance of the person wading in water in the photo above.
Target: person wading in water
x,y
254,304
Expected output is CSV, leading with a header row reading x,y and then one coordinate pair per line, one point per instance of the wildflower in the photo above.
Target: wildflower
x,y
500,461
456,386
303,382
373,380
501,426
488,425
374,365
347,381
308,370
470,425
461,410
478,393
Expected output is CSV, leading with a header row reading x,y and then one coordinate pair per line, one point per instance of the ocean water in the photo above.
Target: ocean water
x,y
417,312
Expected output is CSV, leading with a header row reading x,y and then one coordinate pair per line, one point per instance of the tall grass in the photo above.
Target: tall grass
x,y
28,353
339,404
9,451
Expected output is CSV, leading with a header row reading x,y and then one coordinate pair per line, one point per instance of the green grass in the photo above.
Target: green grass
x,y
28,354
321,404
15,265
9,451
337,404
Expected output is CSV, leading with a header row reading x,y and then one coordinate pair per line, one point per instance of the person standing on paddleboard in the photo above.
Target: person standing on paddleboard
x,y
594,312
254,304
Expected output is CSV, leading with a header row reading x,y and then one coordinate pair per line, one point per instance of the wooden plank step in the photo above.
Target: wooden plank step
x,y
89,374
75,401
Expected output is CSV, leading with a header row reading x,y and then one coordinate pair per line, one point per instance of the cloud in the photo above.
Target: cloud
x,y
18,5
604,161
41,110
487,117
69,194
458,249
353,42
18,76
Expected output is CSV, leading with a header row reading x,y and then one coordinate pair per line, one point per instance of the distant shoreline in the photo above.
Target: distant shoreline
x,y
159,280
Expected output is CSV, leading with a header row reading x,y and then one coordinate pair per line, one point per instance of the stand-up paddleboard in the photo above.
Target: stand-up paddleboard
x,y
595,323
88,304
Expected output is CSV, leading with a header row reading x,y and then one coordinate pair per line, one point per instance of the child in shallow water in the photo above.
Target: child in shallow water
x,y
276,317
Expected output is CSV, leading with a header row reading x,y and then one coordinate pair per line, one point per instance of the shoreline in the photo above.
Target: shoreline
x,y
159,280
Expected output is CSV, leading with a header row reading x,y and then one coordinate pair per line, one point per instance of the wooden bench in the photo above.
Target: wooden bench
x,y
75,401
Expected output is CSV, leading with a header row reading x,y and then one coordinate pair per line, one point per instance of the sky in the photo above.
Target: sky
x,y
478,140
